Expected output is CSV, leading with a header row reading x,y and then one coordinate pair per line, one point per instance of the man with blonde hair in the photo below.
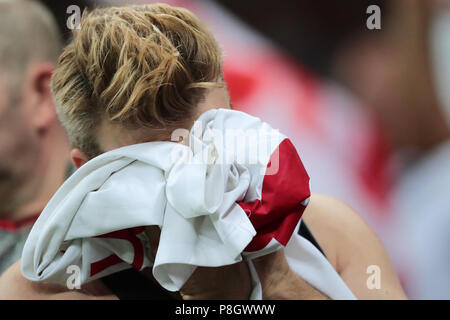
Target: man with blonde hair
x,y
130,77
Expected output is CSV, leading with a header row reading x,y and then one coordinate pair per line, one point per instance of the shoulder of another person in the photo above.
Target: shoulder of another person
x,y
339,230
351,247
330,219
14,286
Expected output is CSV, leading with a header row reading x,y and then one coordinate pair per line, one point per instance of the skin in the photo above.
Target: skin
x,y
328,219
33,147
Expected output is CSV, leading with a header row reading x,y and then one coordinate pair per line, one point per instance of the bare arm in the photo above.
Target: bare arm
x,y
351,247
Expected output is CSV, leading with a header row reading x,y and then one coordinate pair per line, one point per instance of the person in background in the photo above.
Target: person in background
x,y
407,76
33,146
395,71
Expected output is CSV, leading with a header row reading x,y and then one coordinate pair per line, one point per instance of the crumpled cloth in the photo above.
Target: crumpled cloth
x,y
236,190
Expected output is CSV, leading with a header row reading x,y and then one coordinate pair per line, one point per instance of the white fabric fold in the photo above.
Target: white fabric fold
x,y
193,193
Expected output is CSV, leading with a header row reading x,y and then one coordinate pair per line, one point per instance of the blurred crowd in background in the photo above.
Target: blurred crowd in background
x,y
368,111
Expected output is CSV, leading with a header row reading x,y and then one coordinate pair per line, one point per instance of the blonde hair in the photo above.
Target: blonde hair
x,y
139,67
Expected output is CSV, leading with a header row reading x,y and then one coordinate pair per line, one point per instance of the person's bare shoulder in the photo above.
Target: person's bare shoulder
x,y
352,248
14,286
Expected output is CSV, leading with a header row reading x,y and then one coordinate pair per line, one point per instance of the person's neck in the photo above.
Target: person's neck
x,y
50,174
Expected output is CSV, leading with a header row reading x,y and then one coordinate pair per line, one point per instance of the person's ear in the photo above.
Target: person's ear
x,y
38,100
78,157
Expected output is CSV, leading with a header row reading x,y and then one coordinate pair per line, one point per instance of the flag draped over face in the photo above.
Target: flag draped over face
x,y
236,190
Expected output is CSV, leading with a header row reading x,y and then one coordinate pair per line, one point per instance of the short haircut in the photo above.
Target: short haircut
x,y
140,67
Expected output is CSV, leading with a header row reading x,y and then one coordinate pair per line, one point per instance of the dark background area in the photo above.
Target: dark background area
x,y
309,30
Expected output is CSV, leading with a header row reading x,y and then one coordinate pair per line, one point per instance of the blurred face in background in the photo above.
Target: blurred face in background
x,y
31,140
19,147
394,73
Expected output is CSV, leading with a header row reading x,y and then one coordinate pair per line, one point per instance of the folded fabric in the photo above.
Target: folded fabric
x,y
237,189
